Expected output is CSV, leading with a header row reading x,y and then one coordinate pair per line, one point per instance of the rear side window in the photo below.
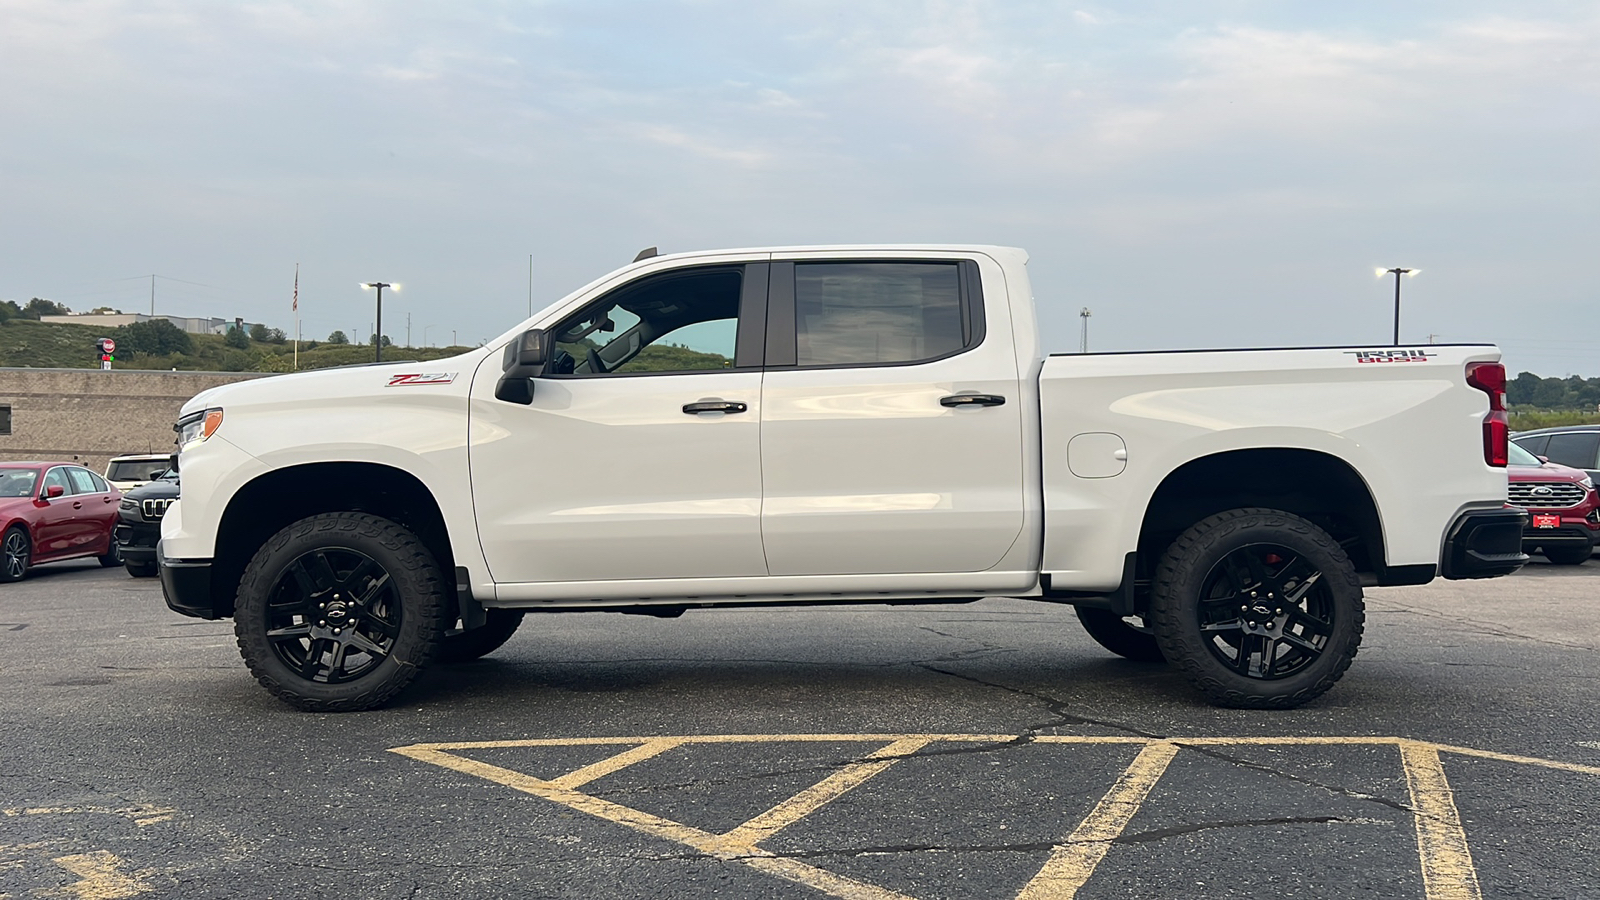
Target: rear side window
x,y
1577,449
1534,444
100,486
876,312
82,483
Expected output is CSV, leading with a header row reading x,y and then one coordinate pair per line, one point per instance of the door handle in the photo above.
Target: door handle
x,y
77,504
715,406
955,401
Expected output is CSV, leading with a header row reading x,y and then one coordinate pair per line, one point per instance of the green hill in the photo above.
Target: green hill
x,y
26,342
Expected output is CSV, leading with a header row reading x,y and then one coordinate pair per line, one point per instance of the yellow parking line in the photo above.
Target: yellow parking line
x,y
1072,862
621,761
1447,870
823,792
1523,760
822,880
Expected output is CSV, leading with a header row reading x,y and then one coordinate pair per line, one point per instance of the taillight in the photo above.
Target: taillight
x,y
1491,379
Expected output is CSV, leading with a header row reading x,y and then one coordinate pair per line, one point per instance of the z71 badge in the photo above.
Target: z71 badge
x,y
1390,356
429,378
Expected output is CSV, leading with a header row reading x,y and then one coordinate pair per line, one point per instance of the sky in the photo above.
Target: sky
x,y
1205,173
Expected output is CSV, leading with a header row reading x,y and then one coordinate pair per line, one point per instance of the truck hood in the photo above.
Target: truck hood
x,y
450,375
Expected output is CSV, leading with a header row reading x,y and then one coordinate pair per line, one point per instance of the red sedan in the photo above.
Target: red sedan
x,y
54,511
1563,509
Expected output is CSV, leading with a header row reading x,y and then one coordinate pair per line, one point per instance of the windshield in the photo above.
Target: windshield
x,y
17,482
1521,457
136,469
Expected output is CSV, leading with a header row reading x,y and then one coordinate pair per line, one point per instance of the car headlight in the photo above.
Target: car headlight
x,y
1588,483
128,504
196,427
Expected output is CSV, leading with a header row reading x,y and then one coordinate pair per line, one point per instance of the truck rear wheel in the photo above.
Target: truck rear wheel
x,y
466,646
1260,608
340,611
1111,632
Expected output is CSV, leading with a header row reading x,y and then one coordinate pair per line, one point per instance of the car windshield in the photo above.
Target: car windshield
x,y
18,482
136,469
1521,457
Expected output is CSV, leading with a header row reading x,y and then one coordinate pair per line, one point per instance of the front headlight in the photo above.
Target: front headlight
x,y
1588,483
196,427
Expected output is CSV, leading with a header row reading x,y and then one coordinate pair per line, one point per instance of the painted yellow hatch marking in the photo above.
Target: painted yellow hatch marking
x,y
1447,870
1073,862
101,876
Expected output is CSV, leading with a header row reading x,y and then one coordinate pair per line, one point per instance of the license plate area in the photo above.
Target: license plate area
x,y
1544,521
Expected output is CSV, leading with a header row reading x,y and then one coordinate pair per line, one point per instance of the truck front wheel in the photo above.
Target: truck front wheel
x,y
338,612
1260,608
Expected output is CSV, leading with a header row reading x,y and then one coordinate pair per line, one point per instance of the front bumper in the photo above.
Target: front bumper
x,y
186,584
137,540
1485,543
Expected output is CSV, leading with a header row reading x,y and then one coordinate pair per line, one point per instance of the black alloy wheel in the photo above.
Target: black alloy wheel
x,y
16,551
1266,611
333,615
1259,608
340,611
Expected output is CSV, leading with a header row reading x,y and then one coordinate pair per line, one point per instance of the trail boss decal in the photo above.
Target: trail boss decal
x,y
1390,356
428,378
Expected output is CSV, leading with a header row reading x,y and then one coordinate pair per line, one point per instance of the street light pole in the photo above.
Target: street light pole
x,y
377,332
1397,272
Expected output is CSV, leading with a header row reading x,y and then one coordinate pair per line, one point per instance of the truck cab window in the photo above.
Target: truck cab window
x,y
1577,449
674,322
878,312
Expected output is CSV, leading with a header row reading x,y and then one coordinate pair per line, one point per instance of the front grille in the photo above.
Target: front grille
x,y
155,509
1544,494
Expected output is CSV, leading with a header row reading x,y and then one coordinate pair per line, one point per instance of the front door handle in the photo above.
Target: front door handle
x,y
956,401
715,406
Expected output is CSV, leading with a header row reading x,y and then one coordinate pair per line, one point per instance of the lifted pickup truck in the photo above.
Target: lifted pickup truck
x,y
833,425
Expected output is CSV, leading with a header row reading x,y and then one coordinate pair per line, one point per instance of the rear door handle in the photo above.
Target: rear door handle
x,y
715,406
959,400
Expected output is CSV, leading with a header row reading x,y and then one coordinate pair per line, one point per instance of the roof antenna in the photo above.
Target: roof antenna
x,y
646,253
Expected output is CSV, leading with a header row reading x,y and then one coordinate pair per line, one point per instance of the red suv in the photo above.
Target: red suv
x,y
1563,509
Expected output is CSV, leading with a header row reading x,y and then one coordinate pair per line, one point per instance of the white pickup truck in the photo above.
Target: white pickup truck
x,y
821,425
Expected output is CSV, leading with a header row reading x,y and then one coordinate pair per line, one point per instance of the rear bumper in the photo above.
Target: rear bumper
x,y
1485,543
186,584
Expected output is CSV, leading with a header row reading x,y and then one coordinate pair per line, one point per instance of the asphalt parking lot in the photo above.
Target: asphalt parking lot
x,y
989,750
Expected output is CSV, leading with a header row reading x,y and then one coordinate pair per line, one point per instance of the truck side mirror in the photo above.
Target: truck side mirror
x,y
524,360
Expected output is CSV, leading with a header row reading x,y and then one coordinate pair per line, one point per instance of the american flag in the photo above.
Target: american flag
x,y
295,306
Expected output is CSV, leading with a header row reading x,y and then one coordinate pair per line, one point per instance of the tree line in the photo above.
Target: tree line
x,y
1573,392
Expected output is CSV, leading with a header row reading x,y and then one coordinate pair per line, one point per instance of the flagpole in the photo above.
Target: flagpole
x,y
296,307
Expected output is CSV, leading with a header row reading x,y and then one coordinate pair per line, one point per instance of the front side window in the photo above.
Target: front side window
x,y
876,312
56,477
673,322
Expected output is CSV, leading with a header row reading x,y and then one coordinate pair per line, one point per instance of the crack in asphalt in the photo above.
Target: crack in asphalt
x,y
1486,629
1035,846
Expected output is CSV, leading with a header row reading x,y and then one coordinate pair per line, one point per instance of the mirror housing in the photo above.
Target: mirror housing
x,y
524,360
54,491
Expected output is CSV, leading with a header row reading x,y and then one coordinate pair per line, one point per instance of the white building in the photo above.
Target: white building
x,y
191,324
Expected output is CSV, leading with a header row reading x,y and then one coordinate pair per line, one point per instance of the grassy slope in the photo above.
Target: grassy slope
x,y
24,342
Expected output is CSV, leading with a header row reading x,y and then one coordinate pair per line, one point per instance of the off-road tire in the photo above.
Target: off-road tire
x,y
140,569
466,646
417,591
1110,632
1568,556
1187,566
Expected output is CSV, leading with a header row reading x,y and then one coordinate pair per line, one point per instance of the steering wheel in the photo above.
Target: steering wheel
x,y
596,365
